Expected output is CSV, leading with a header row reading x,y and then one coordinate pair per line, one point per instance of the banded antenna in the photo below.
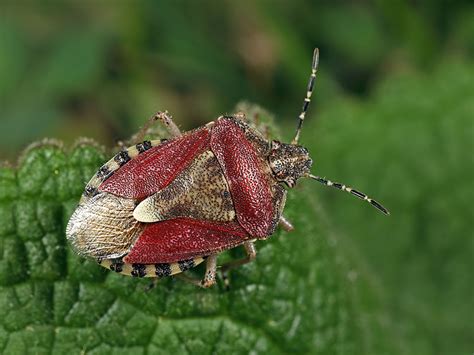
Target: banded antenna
x,y
352,191
309,92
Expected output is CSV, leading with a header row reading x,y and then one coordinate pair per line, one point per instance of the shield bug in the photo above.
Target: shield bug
x,y
159,208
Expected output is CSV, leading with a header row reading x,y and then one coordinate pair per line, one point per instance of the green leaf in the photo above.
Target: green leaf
x,y
299,295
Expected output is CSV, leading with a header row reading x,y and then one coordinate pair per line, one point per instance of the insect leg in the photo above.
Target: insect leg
x,y
251,255
285,224
167,120
209,277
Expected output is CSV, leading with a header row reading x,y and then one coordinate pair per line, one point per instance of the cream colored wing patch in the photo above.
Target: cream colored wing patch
x,y
104,227
200,192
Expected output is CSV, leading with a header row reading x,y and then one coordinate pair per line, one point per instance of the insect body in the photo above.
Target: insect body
x,y
160,208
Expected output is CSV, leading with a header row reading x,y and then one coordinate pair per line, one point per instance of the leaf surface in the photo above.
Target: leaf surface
x,y
296,297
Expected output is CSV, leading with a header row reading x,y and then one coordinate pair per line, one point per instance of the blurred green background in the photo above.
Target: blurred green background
x,y
392,114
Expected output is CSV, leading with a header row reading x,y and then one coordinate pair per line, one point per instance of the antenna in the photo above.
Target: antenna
x,y
352,191
309,91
